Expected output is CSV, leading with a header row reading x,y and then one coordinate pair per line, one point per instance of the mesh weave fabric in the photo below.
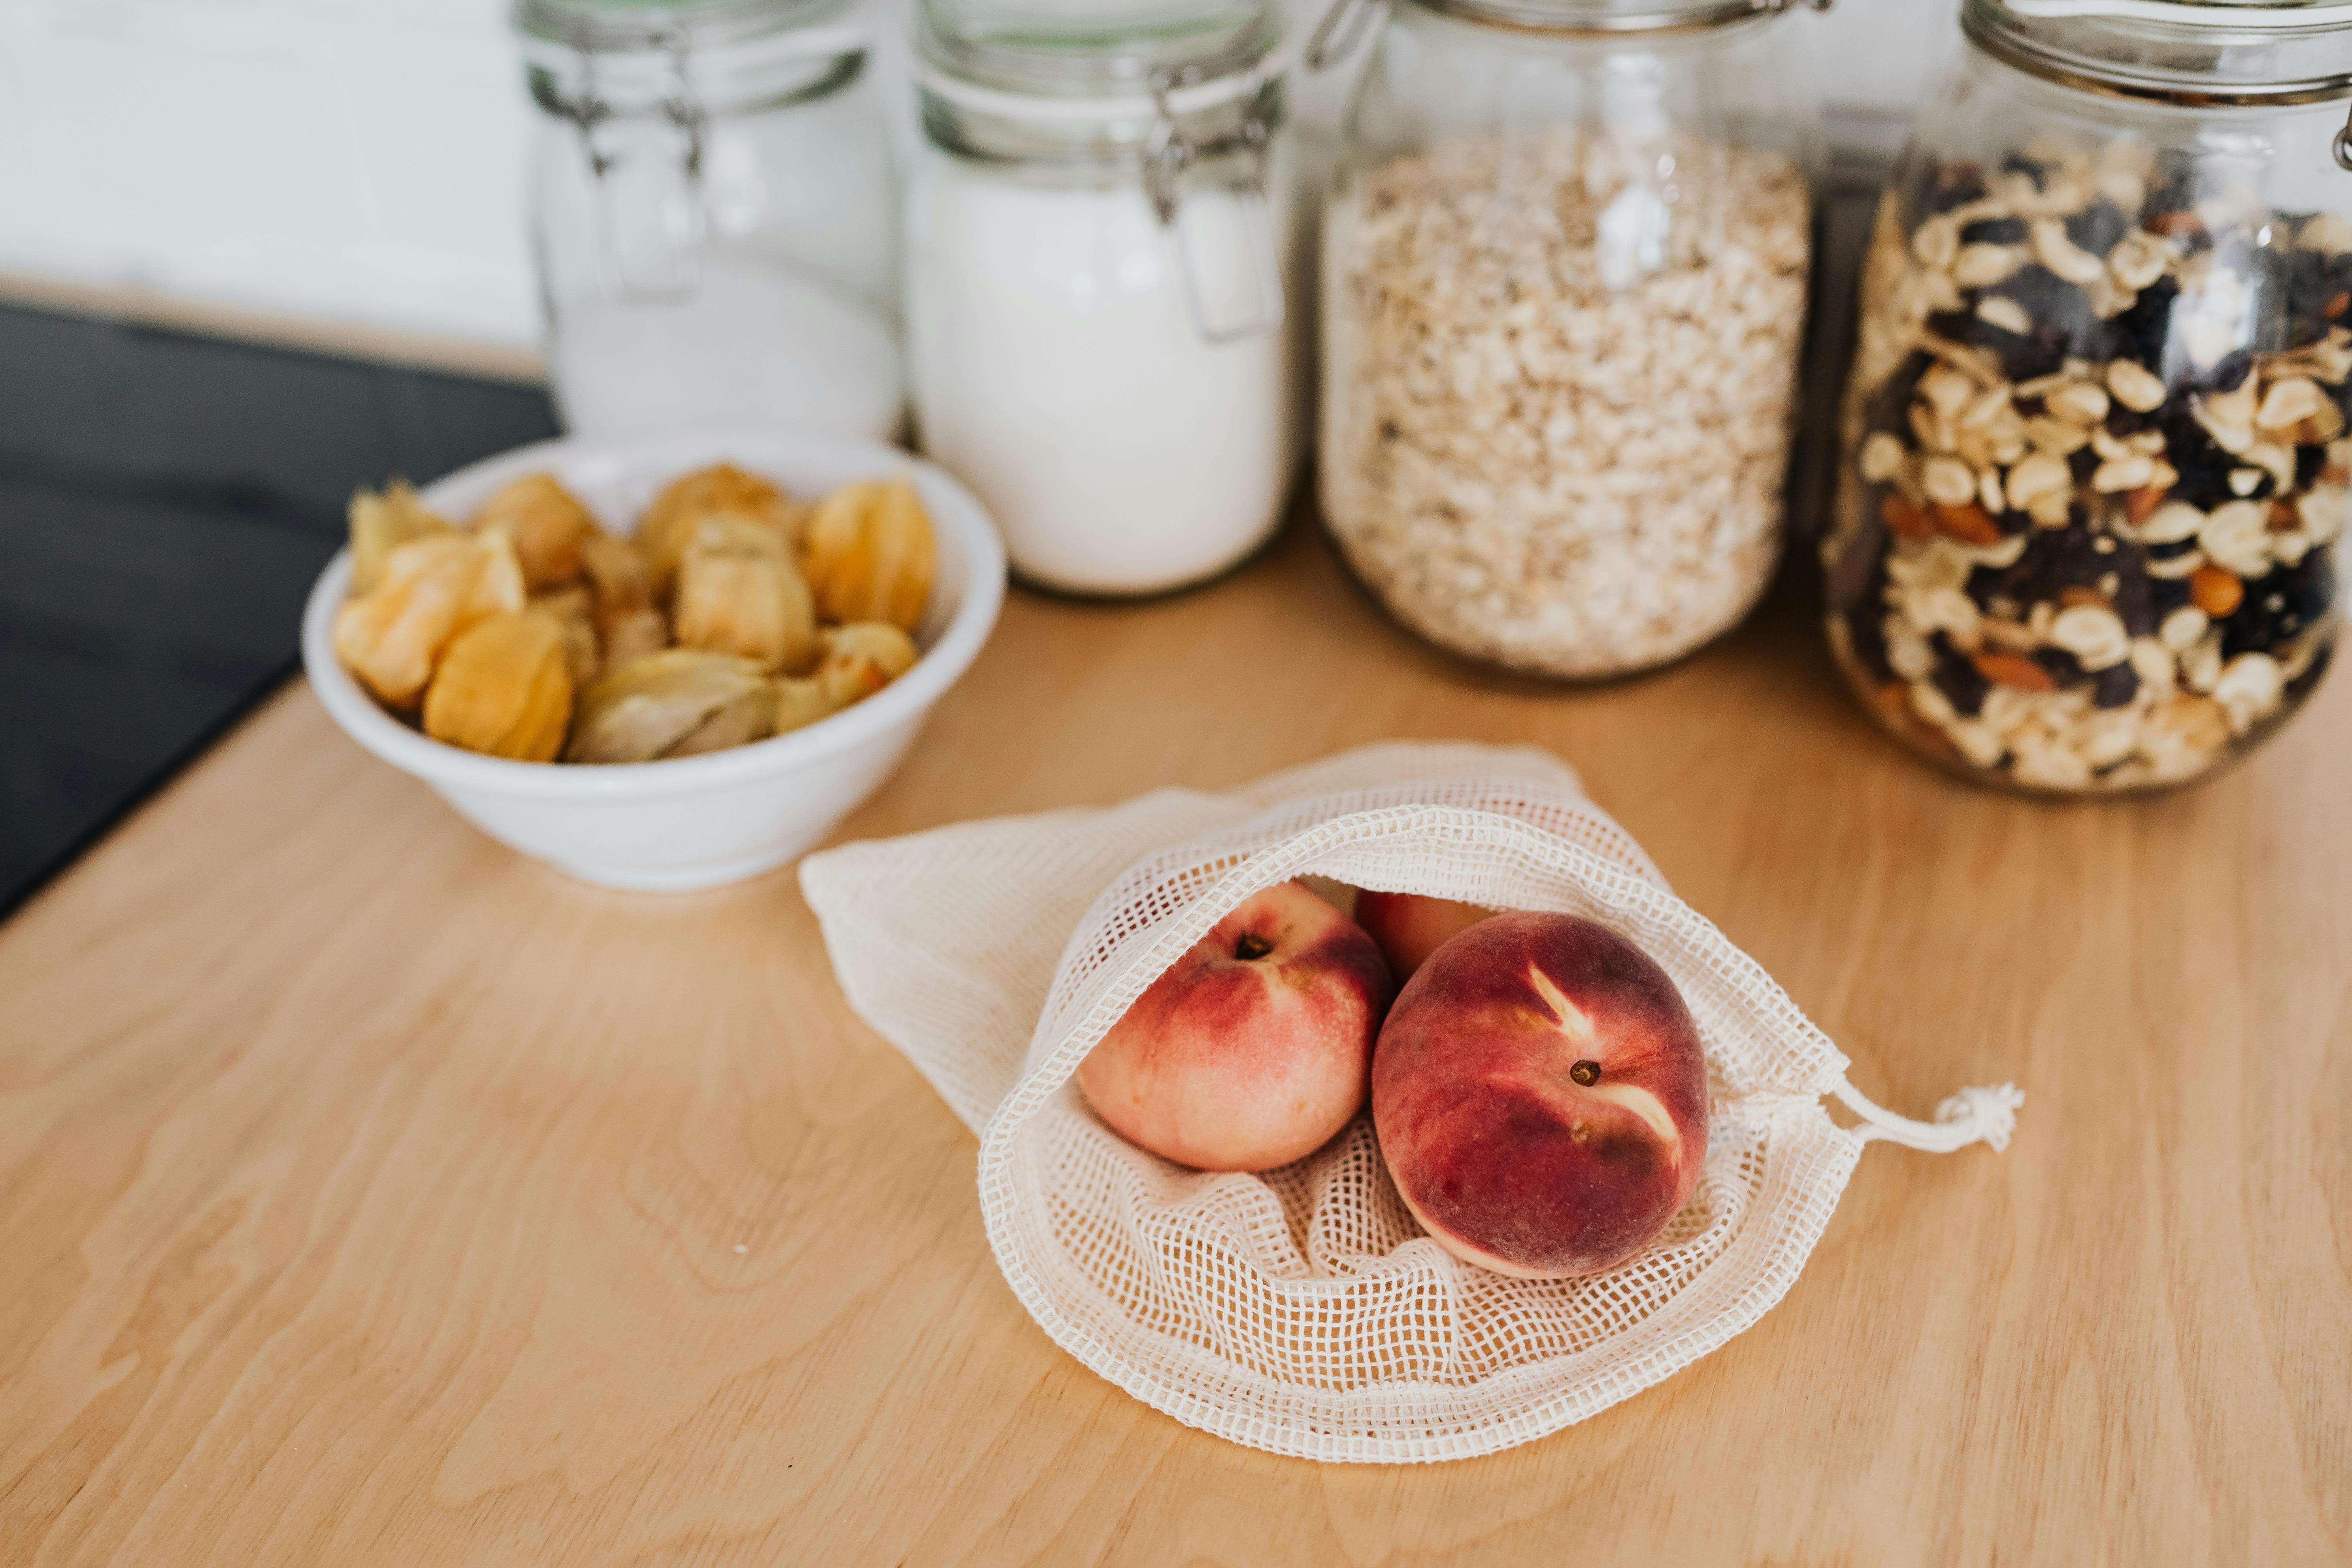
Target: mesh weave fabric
x,y
1303,1310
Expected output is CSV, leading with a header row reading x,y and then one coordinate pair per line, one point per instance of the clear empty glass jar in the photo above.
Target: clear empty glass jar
x,y
1099,282
714,217
1566,261
2095,449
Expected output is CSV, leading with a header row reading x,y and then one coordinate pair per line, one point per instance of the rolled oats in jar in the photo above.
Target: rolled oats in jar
x,y
2096,447
1566,269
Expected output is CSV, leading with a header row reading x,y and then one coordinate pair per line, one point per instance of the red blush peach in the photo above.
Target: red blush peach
x,y
1541,1096
1409,927
1254,1049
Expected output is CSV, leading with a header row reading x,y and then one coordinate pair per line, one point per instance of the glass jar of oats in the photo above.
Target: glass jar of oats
x,y
1565,262
2095,455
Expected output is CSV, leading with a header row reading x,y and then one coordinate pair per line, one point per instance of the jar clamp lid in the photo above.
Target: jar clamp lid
x,y
640,80
2194,53
1349,22
608,59
1163,86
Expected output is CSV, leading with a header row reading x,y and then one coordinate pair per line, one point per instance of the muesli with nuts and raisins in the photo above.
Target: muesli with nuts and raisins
x,y
2096,464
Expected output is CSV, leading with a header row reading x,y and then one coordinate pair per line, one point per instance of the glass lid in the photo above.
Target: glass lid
x,y
1348,22
2200,52
590,59
1092,49
622,25
1574,17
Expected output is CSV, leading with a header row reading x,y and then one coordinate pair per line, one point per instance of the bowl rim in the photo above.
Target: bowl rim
x,y
904,700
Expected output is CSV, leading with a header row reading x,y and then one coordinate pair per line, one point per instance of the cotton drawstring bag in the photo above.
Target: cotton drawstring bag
x,y
1303,1310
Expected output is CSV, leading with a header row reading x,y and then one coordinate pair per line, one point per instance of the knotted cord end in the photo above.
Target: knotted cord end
x,y
1983,1113
1991,1108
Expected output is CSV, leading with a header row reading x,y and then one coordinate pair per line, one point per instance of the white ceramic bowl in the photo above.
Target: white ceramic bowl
x,y
690,822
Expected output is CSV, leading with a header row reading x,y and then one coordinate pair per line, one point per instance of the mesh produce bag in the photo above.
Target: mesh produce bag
x,y
1303,1310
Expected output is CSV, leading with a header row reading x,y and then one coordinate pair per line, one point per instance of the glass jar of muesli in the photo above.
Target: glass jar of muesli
x,y
1566,253
2095,451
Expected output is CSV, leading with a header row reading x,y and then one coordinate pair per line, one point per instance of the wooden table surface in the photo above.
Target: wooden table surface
x,y
369,1195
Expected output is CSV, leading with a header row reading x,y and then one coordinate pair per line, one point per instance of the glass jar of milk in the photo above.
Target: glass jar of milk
x,y
714,216
1099,296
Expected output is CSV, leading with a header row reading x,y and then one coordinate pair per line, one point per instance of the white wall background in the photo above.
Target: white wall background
x,y
361,162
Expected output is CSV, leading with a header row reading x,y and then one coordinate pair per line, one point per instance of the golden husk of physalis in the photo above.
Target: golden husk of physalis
x,y
799,701
669,525
503,689
647,707
861,658
737,592
572,607
869,553
750,717
628,625
430,590
616,573
632,635
547,523
382,523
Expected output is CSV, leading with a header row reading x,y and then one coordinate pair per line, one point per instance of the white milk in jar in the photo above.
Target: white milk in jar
x,y
1099,246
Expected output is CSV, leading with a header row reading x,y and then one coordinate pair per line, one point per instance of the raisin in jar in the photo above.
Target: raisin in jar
x,y
2095,451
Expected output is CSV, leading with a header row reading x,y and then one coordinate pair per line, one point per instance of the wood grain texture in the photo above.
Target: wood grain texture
x,y
371,1196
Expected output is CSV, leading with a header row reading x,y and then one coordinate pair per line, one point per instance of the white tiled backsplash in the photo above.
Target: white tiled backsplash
x,y
361,162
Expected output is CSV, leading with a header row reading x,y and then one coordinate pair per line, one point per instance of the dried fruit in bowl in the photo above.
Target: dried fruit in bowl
x,y
430,590
547,523
800,703
586,654
504,689
572,607
648,707
737,592
670,523
861,658
748,718
869,553
382,523
633,634
628,625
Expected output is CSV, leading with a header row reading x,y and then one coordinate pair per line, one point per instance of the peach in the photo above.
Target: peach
x,y
1254,1049
1540,1097
1410,926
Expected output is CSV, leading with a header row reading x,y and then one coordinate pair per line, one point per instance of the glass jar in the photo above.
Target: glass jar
x,y
1099,249
1566,259
2094,441
714,217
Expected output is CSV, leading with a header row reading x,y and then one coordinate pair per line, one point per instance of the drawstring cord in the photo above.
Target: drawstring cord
x,y
1983,1113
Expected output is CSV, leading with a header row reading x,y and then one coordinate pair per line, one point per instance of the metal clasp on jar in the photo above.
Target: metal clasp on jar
x,y
1250,302
651,221
1343,27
